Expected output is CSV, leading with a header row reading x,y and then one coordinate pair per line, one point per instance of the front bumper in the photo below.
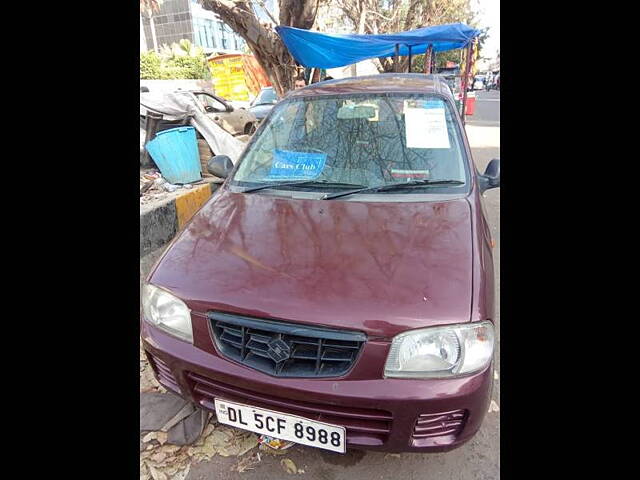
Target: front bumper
x,y
379,414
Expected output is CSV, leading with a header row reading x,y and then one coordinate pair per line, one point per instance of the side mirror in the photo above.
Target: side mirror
x,y
220,166
491,176
229,107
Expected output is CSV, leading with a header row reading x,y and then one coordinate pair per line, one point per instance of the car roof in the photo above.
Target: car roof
x,y
380,83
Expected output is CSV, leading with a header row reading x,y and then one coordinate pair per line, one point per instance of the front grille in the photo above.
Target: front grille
x,y
163,373
368,426
285,349
439,424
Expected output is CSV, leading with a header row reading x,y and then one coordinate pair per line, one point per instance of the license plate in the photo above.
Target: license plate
x,y
280,425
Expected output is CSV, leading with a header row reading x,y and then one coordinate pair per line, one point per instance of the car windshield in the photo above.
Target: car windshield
x,y
357,139
266,97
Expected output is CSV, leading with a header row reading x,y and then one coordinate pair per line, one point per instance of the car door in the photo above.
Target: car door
x,y
233,122
215,110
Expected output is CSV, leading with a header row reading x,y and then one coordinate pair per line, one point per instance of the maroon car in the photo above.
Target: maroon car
x,y
337,291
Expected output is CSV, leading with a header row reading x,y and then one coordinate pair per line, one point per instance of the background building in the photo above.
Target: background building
x,y
143,40
494,64
186,19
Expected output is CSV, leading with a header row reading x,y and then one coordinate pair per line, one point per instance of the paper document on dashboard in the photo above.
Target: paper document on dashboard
x,y
426,128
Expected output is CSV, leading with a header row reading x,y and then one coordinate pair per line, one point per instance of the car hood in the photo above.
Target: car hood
x,y
381,267
261,111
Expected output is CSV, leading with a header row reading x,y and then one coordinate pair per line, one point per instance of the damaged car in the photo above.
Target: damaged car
x,y
338,290
166,110
235,120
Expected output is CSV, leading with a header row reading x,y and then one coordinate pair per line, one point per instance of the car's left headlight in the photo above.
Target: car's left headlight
x,y
167,312
438,352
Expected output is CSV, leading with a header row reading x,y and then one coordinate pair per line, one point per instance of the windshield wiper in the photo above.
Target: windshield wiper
x,y
391,186
325,183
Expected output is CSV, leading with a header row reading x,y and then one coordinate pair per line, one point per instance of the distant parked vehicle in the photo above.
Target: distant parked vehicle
x,y
263,103
236,121
478,83
491,82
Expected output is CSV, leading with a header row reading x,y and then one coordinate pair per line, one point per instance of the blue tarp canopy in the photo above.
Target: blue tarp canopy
x,y
323,50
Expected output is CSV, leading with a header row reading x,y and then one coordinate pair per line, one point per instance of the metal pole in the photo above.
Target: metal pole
x,y
396,59
427,60
467,69
409,68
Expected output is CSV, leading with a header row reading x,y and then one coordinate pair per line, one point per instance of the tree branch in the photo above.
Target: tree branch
x,y
264,7
382,16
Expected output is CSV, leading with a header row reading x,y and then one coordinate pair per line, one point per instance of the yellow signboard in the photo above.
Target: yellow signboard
x,y
229,77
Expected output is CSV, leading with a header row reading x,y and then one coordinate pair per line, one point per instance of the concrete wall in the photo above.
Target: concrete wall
x,y
159,223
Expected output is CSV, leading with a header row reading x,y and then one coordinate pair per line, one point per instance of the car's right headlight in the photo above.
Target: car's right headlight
x,y
437,352
167,312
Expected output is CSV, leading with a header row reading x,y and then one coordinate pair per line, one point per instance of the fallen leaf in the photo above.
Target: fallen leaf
x,y
207,430
247,463
170,449
157,474
246,443
204,452
392,455
172,470
158,457
220,437
144,454
494,407
182,474
144,474
182,457
148,383
288,465
233,450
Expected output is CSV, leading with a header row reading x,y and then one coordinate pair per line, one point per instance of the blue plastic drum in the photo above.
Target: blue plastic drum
x,y
175,151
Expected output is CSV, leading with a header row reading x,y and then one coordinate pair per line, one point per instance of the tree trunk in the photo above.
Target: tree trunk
x,y
363,17
264,43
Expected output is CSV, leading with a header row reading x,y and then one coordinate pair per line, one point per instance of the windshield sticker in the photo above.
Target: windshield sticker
x,y
423,104
397,173
426,127
296,165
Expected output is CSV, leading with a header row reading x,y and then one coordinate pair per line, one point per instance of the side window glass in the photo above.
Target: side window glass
x,y
202,100
212,102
